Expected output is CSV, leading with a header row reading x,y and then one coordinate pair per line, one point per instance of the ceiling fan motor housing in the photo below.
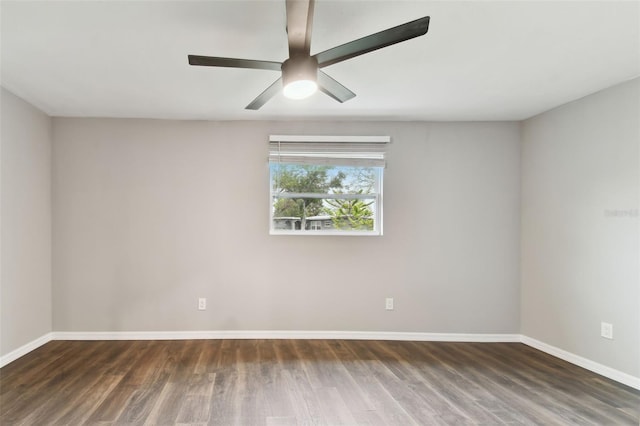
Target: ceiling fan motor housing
x,y
301,67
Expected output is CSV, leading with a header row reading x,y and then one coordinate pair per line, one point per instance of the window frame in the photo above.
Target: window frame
x,y
377,196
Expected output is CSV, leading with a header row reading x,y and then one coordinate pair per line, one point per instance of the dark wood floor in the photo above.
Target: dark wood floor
x,y
305,382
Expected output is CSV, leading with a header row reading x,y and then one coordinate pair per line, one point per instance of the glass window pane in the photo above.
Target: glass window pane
x,y
325,199
295,178
324,214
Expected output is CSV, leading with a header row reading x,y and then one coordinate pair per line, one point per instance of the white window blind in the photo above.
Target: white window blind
x,y
360,151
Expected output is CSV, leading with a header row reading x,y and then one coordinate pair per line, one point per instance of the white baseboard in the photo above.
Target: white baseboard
x,y
253,334
25,349
603,370
286,334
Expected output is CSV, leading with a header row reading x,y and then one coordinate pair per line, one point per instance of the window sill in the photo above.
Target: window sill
x,y
329,233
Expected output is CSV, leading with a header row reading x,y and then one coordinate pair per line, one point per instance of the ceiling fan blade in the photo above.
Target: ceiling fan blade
x,y
213,61
299,22
334,89
373,42
263,97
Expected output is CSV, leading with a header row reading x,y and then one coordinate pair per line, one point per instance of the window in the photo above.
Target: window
x,y
326,185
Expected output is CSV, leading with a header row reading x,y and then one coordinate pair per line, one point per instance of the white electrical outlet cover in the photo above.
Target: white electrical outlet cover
x,y
606,330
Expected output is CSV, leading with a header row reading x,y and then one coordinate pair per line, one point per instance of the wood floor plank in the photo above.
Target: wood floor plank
x,y
333,408
364,368
575,406
544,410
225,405
306,407
472,376
281,421
486,393
579,388
355,396
156,415
125,391
16,399
183,361
405,385
305,382
67,380
78,411
252,388
34,363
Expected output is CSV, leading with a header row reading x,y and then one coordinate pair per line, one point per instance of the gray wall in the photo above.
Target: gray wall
x,y
150,215
580,263
25,223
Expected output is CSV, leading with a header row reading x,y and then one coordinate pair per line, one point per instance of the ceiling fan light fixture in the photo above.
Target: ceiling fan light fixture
x,y
300,89
299,77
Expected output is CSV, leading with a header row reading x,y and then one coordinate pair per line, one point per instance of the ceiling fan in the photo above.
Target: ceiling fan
x,y
301,72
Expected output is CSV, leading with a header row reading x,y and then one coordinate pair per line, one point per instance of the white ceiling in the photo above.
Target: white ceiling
x,y
480,60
